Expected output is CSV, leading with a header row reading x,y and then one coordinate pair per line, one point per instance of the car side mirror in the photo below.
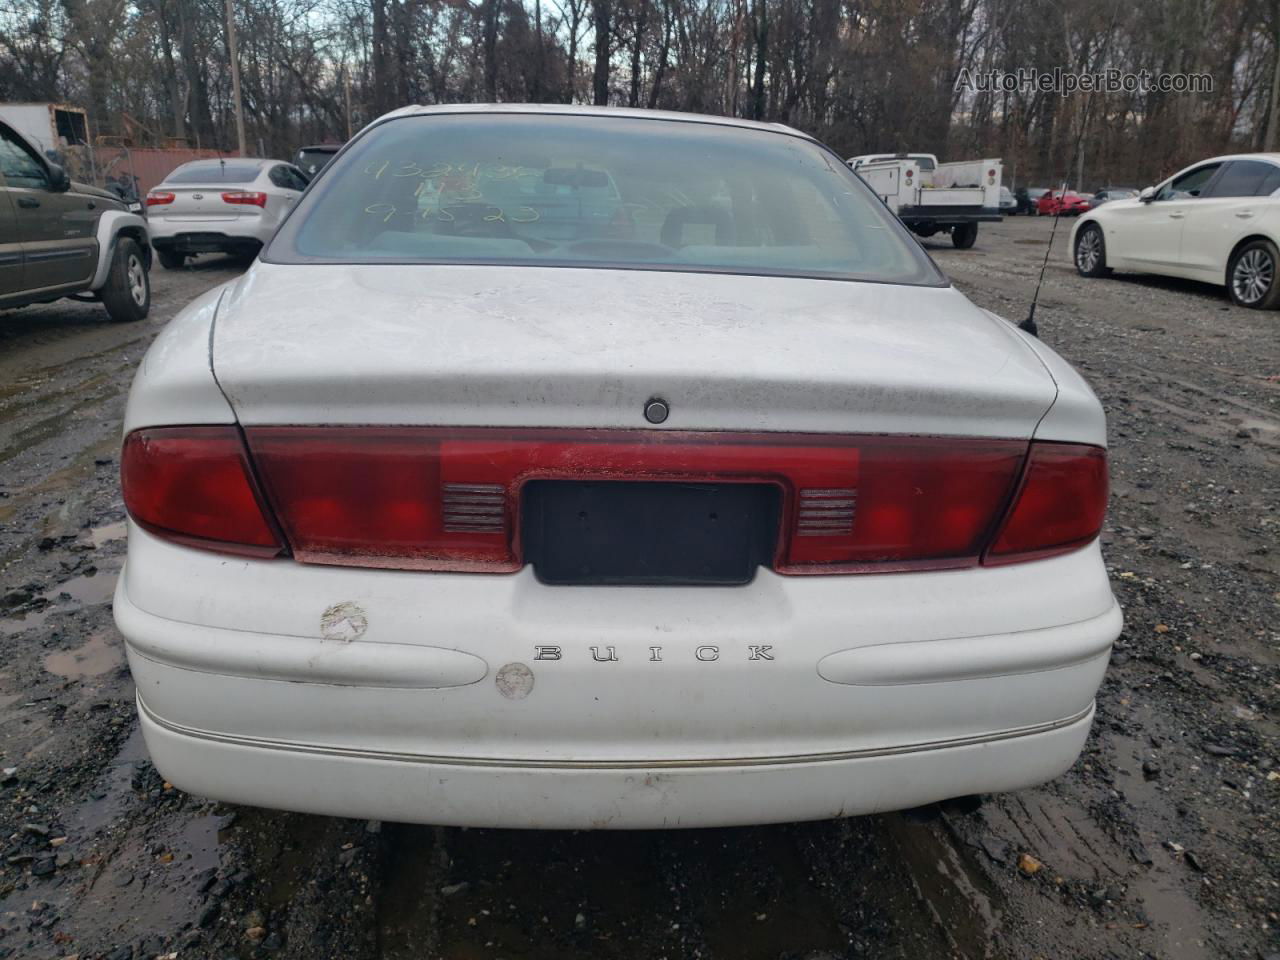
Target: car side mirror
x,y
1147,195
59,181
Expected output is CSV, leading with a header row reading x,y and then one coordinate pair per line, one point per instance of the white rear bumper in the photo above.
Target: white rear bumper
x,y
790,698
413,789
246,227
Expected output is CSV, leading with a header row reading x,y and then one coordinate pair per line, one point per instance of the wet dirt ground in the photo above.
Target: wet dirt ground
x,y
1161,842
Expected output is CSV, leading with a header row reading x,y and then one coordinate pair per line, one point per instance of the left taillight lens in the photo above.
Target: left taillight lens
x,y
158,198
248,198
194,485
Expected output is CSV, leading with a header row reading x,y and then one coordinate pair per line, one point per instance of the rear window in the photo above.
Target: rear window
x,y
228,171
542,189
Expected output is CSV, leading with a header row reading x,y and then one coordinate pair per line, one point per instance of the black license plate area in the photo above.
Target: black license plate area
x,y
621,532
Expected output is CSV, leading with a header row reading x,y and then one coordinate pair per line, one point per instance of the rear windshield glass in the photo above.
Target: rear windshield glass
x,y
598,191
214,172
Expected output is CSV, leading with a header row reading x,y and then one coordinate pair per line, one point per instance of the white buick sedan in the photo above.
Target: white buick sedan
x,y
1216,221
567,467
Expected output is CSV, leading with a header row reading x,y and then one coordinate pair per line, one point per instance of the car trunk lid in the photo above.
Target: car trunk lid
x,y
199,203
555,347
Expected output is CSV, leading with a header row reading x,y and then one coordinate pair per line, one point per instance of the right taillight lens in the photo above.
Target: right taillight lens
x,y
1059,506
158,198
194,485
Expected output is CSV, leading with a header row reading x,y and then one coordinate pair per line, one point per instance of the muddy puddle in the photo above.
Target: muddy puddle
x,y
111,793
97,656
88,589
108,533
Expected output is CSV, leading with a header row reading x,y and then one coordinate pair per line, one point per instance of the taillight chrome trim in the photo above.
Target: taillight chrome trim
x,y
474,508
826,512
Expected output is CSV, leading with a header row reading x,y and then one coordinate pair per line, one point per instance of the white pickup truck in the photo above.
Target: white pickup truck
x,y
931,197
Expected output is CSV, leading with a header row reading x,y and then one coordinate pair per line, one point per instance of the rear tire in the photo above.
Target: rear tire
x,y
171,260
1253,276
963,235
127,293
1090,254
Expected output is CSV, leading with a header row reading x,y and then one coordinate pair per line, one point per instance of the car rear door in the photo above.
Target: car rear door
x,y
1227,211
10,246
55,228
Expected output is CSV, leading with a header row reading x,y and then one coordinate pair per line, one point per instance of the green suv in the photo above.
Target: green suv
x,y
64,239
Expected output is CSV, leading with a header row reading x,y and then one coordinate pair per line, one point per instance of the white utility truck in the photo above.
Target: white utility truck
x,y
932,197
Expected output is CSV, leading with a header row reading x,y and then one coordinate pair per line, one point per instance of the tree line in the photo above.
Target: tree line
x,y
862,75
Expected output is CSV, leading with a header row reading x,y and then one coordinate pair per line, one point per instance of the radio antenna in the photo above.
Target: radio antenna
x,y
1029,324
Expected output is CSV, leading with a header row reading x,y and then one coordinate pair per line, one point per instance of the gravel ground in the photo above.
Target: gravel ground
x,y
1162,841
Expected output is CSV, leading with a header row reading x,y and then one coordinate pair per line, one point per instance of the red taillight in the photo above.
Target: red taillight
x,y
250,198
158,198
194,485
435,499
916,502
1060,506
449,499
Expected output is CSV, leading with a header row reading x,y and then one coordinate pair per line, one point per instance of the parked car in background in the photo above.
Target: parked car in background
x,y
1068,203
1112,193
60,239
1216,221
1008,203
729,510
230,205
311,160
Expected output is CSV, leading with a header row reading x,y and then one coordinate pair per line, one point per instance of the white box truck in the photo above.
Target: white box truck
x,y
50,126
931,197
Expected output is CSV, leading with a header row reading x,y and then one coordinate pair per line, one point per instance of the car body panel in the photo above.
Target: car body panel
x,y
174,383
444,347
1143,237
57,231
11,265
110,225
619,674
